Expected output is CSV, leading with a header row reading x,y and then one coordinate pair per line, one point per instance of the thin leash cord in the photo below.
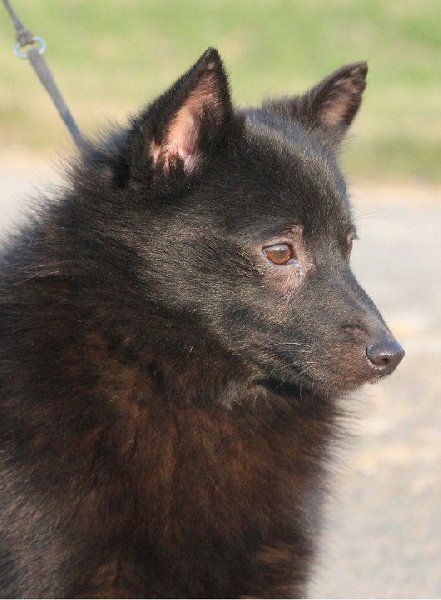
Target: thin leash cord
x,y
35,56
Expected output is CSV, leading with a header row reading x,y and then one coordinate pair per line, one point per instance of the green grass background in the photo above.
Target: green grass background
x,y
110,57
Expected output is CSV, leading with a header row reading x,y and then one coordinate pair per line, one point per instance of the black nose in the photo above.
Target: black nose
x,y
385,355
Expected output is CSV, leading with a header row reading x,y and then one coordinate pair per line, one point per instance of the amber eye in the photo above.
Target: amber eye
x,y
279,254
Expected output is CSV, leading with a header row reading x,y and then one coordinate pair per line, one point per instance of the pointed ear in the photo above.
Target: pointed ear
x,y
329,107
183,125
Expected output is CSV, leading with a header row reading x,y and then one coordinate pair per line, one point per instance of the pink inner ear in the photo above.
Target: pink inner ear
x,y
182,136
341,103
185,132
180,141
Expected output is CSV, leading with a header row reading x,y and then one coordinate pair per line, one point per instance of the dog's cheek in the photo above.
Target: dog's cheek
x,y
334,361
343,366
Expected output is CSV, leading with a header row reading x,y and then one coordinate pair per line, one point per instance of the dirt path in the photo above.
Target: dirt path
x,y
383,536
384,532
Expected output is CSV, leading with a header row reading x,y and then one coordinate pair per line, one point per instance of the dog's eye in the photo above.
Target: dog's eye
x,y
279,254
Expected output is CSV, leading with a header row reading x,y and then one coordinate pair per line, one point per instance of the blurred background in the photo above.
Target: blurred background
x,y
110,57
383,528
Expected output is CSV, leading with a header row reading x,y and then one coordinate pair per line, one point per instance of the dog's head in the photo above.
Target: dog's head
x,y
240,221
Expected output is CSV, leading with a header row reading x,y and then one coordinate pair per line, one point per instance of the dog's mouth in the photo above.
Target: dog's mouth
x,y
292,368
284,376
332,375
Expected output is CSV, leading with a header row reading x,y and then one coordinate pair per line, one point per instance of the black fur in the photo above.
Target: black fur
x,y
169,394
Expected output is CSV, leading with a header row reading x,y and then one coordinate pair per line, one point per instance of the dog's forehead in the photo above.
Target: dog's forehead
x,y
278,179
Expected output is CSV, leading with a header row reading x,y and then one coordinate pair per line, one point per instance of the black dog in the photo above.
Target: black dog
x,y
175,334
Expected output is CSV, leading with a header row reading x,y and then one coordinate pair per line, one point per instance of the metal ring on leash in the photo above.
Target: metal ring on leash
x,y
35,40
35,56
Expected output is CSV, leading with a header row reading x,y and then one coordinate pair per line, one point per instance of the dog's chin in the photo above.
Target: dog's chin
x,y
306,388
314,386
285,388
279,378
282,376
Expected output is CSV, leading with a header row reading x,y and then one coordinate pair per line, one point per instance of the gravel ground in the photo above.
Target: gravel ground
x,y
383,528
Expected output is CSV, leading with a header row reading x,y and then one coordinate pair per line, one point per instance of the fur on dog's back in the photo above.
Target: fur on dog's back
x,y
168,386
